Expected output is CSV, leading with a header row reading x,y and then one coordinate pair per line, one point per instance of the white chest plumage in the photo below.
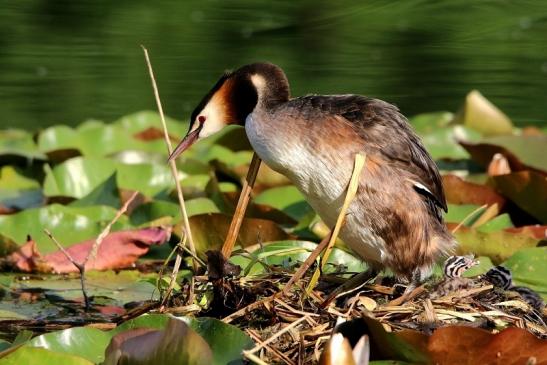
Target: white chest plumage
x,y
320,181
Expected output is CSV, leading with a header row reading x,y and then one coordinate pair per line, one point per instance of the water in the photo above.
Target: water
x,y
67,61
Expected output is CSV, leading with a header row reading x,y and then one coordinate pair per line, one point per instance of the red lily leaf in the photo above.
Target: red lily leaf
x,y
118,250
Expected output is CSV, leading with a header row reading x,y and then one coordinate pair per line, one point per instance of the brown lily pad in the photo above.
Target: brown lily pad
x,y
209,231
527,189
118,250
459,191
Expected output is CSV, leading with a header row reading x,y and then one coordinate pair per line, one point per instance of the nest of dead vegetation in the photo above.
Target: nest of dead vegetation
x,y
294,328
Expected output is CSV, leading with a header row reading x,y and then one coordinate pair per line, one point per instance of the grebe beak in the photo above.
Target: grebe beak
x,y
186,142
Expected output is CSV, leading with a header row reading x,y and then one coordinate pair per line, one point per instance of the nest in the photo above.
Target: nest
x,y
294,328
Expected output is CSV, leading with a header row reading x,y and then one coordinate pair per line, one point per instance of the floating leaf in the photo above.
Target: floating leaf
x,y
154,210
529,269
497,245
443,143
459,344
137,122
176,344
86,342
466,213
17,145
429,122
118,250
68,224
18,191
481,115
498,223
287,199
459,191
209,231
226,341
527,189
79,176
290,253
521,152
35,355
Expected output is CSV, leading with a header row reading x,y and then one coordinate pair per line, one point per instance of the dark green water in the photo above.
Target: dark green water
x,y
66,61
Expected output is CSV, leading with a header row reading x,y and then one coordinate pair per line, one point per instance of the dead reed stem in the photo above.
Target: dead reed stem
x,y
180,195
358,165
242,203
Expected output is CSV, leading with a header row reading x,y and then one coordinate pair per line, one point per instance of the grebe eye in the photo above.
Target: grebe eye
x,y
201,118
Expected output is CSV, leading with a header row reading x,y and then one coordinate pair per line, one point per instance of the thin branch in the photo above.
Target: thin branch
x,y
80,267
94,249
180,195
108,228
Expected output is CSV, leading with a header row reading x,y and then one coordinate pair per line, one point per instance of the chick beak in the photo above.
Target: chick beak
x,y
186,142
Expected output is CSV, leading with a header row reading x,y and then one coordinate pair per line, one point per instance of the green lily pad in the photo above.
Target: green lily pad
x,y
154,210
68,224
121,287
106,193
287,199
18,143
77,341
80,176
498,223
529,269
176,344
468,212
481,115
137,122
426,123
4,345
443,142
36,355
498,245
289,253
18,191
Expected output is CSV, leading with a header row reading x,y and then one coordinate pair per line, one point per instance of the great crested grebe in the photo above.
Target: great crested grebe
x,y
395,220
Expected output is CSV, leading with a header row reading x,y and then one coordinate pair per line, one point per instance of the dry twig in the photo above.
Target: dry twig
x,y
94,249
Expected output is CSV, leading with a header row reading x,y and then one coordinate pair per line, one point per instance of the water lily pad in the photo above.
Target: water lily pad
x,y
287,199
176,344
68,224
481,115
154,210
290,253
78,341
210,230
498,223
443,142
467,213
137,122
18,144
529,269
18,191
429,122
498,245
36,355
527,189
79,176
